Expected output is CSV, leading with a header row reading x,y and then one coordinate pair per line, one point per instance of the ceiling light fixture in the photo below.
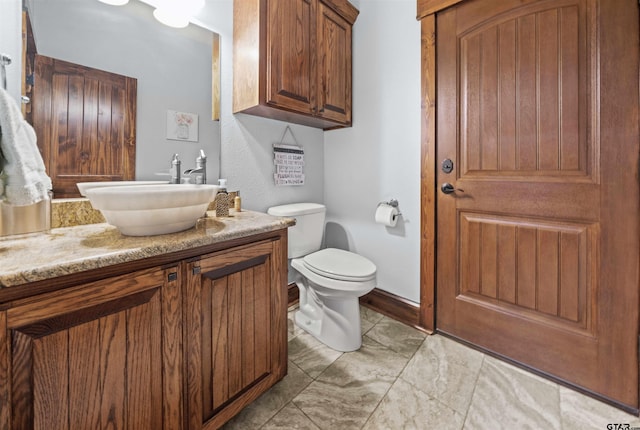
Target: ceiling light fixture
x,y
168,17
115,2
176,13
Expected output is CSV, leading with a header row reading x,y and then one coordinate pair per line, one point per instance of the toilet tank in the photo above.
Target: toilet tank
x,y
306,236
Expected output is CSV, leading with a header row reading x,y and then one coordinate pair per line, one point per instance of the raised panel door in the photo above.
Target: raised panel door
x,y
334,65
236,325
85,121
104,355
538,244
291,63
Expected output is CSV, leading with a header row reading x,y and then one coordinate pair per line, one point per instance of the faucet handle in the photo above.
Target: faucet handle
x,y
201,165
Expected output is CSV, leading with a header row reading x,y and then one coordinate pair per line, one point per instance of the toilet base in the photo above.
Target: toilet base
x,y
336,323
330,308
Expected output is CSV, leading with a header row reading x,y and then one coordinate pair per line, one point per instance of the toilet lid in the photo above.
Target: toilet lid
x,y
339,264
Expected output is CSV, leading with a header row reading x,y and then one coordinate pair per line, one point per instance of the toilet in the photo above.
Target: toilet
x,y
330,280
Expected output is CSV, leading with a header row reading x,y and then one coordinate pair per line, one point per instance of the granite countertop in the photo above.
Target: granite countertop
x,y
62,251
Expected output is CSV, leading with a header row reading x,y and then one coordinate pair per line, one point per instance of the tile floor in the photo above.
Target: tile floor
x,y
403,379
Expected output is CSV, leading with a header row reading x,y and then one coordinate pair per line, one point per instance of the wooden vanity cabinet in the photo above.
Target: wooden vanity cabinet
x,y
292,60
236,329
183,344
106,354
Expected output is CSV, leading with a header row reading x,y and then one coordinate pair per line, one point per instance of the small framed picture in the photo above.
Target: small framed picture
x,y
182,126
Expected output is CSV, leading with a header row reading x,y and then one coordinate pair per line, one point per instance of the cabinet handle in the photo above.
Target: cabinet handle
x,y
195,270
172,276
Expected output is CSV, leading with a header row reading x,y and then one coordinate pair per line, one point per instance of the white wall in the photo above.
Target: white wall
x,y
247,153
11,43
172,66
379,157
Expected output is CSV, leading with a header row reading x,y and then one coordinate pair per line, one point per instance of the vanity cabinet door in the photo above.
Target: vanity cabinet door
x,y
236,329
102,355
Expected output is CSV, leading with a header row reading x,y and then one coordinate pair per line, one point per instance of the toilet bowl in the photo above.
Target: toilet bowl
x,y
330,280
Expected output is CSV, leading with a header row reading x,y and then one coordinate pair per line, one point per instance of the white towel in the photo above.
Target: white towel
x,y
21,165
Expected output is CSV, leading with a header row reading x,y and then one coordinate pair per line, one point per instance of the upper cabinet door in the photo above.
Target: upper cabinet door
x,y
292,60
334,65
291,69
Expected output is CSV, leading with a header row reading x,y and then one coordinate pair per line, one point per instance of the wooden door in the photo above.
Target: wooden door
x,y
85,122
236,347
102,355
334,65
538,246
291,64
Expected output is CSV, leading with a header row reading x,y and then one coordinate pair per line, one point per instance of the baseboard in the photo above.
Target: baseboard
x,y
396,307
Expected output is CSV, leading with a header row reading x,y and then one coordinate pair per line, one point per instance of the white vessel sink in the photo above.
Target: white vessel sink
x,y
148,210
84,186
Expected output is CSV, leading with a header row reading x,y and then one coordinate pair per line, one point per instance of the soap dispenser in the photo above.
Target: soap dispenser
x,y
237,202
222,199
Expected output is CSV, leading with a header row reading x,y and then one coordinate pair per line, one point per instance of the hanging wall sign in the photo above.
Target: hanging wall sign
x,y
289,162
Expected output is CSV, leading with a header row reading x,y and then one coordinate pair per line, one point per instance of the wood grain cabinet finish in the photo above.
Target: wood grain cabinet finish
x,y
236,325
102,355
184,345
292,60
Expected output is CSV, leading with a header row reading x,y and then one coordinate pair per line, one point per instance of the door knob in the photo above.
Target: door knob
x,y
447,188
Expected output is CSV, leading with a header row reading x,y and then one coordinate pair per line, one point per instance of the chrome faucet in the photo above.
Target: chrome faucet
x,y
201,168
175,170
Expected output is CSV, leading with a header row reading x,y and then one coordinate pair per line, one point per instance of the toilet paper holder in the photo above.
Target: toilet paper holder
x,y
393,203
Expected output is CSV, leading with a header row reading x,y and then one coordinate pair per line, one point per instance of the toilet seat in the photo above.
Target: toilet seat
x,y
340,265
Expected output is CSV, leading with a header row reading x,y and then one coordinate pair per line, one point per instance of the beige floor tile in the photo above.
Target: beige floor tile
x,y
311,355
368,319
446,370
405,407
444,385
345,394
365,326
580,412
397,336
290,418
346,406
369,315
267,405
506,397
372,361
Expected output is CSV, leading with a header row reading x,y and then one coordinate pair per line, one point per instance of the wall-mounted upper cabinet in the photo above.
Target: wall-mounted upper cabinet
x,y
292,60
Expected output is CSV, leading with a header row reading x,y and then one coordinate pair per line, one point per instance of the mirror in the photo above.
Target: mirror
x,y
173,68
